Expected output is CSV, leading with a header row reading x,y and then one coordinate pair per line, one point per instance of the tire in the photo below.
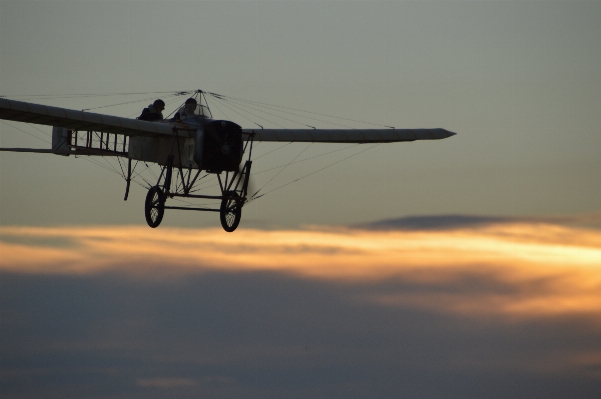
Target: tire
x,y
230,213
154,207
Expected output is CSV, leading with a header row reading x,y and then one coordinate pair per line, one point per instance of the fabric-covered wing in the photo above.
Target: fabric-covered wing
x,y
348,135
78,120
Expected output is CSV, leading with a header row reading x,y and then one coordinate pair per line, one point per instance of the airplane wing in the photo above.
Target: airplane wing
x,y
20,111
79,120
347,135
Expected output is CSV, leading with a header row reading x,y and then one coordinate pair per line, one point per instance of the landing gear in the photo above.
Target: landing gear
x,y
175,182
154,207
230,212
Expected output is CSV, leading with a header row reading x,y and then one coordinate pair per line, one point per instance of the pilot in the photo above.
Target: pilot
x,y
187,111
154,112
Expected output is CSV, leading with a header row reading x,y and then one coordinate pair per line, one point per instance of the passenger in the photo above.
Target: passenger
x,y
187,111
154,112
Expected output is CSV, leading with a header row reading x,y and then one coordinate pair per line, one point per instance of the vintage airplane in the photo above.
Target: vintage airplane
x,y
184,146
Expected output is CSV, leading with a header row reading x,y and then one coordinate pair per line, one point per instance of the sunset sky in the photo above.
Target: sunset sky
x,y
504,309
464,267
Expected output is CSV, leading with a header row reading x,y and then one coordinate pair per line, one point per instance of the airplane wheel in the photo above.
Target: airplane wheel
x,y
154,207
230,213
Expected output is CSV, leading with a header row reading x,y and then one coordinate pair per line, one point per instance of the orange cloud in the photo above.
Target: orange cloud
x,y
545,268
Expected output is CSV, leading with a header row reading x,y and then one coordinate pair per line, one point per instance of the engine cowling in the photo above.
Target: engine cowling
x,y
219,147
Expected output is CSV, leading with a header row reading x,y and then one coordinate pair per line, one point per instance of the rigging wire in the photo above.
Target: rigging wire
x,y
150,170
36,128
124,103
277,116
30,134
197,184
109,164
202,95
171,100
295,114
48,96
175,110
280,171
121,167
139,172
306,159
97,163
300,110
233,110
280,147
219,109
147,186
312,173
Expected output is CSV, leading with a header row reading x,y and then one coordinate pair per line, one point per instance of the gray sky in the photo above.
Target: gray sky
x,y
517,80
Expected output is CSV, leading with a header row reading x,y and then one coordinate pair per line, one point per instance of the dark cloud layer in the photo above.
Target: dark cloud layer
x,y
449,222
438,222
502,310
271,335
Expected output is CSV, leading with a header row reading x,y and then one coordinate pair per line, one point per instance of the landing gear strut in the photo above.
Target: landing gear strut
x,y
233,187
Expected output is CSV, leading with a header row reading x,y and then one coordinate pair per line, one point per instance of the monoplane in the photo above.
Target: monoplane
x,y
184,148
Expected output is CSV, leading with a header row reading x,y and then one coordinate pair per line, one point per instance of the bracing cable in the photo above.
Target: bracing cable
x,y
299,110
219,109
281,170
291,113
36,128
121,167
29,134
53,96
245,117
124,103
307,159
267,153
312,173
268,113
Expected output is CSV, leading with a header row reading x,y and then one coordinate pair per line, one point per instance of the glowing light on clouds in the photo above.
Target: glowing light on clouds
x,y
536,268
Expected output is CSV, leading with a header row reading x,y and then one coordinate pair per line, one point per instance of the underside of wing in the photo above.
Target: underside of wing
x,y
348,135
78,120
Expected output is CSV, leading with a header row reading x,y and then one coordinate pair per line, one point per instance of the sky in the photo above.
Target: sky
x,y
460,267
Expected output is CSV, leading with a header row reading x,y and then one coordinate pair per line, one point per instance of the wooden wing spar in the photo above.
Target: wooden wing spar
x,y
79,120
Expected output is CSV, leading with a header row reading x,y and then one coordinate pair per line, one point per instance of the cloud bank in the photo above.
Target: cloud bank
x,y
448,311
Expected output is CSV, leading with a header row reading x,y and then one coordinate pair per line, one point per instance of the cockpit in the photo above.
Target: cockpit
x,y
193,111
203,110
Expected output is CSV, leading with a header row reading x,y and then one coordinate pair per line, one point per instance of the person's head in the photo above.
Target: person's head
x,y
191,104
159,105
